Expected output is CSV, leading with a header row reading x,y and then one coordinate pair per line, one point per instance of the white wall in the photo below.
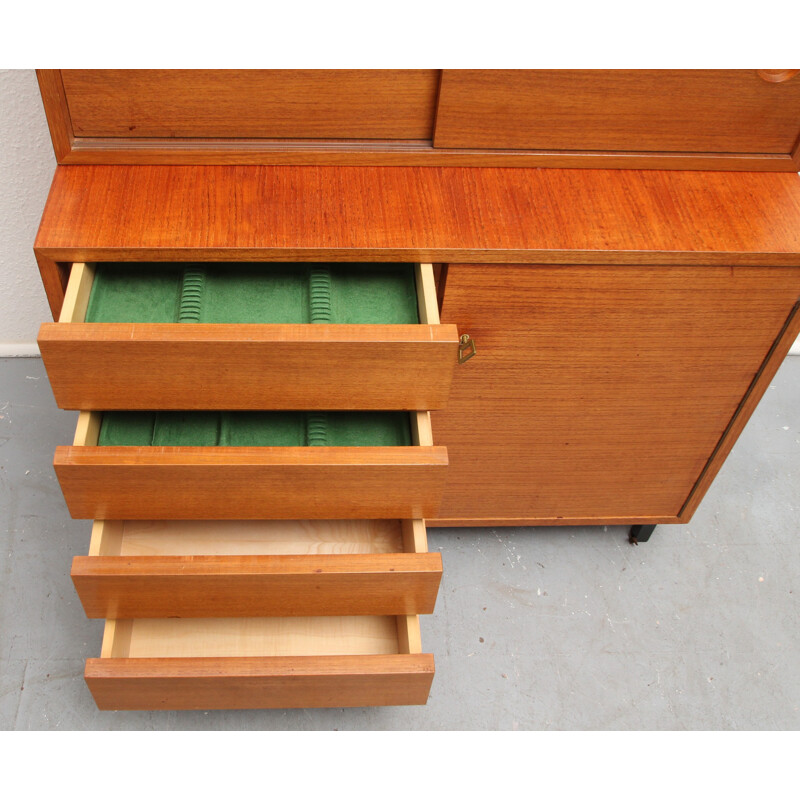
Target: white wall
x,y
26,169
27,164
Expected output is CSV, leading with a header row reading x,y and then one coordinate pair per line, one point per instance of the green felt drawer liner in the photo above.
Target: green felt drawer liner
x,y
257,293
255,428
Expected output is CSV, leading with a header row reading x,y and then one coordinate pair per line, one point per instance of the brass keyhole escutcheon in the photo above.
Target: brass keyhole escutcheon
x,y
466,348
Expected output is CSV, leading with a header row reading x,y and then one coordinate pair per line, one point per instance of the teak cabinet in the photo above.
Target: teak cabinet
x,y
587,344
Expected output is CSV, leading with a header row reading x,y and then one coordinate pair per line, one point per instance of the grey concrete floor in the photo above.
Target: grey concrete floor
x,y
534,628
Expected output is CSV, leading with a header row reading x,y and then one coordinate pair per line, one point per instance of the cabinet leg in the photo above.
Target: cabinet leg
x,y
640,533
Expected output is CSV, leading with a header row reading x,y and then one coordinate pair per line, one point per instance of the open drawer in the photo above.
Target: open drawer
x,y
177,568
260,662
223,482
319,360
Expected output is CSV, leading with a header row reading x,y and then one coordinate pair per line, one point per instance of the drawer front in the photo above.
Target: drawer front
x,y
230,683
251,482
260,663
117,365
232,586
261,568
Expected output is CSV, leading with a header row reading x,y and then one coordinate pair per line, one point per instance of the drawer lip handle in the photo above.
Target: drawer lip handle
x,y
777,75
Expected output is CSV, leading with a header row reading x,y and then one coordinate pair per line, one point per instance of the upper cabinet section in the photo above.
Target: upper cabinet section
x,y
644,119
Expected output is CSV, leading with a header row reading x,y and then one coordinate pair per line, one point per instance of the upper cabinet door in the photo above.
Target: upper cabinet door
x,y
258,104
644,111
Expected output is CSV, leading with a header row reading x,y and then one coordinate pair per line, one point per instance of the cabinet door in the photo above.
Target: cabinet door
x,y
599,394
251,103
692,111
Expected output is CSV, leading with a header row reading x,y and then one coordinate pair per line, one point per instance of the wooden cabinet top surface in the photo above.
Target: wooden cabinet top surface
x,y
421,213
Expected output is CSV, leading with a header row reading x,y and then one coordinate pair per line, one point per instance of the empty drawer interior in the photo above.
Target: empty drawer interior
x,y
256,537
259,636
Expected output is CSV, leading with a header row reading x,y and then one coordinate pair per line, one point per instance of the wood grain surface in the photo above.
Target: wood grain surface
x,y
599,392
232,586
724,111
456,215
272,682
167,366
251,482
252,103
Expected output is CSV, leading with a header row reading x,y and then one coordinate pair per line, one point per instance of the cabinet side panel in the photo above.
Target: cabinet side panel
x,y
599,392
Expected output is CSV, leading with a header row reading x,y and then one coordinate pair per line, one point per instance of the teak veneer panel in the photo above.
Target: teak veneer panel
x,y
255,103
682,111
456,215
599,394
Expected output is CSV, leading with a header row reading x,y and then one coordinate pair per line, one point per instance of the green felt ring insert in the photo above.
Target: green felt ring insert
x,y
255,428
255,293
